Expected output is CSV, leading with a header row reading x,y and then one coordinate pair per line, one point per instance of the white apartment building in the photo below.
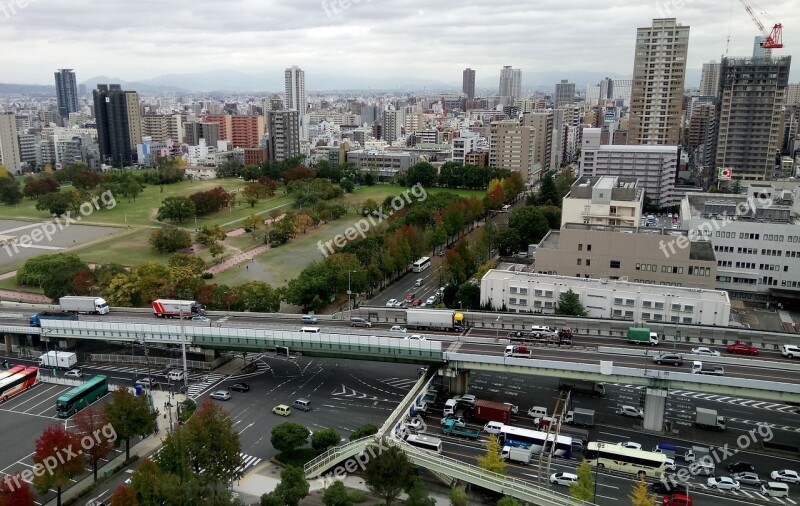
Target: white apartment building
x,y
655,166
462,146
523,292
604,200
756,238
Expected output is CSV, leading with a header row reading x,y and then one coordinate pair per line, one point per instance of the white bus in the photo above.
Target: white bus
x,y
425,442
534,439
310,330
617,458
421,264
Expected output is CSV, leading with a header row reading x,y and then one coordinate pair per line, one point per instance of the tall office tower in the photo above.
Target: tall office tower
x,y
296,99
565,93
709,79
284,134
510,82
468,83
542,122
66,92
606,89
758,51
750,115
119,123
392,125
196,130
9,145
621,88
512,146
793,94
659,73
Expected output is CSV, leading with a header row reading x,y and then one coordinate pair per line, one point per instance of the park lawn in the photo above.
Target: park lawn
x,y
128,248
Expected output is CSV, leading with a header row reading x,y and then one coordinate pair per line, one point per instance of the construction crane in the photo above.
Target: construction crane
x,y
773,39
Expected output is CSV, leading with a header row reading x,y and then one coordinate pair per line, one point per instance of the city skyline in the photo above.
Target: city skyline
x,y
46,35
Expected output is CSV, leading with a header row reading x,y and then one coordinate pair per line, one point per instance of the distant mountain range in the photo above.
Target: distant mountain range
x,y
272,82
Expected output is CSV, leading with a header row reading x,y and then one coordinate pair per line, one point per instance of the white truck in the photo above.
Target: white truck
x,y
521,455
712,370
434,319
517,351
88,305
59,359
709,419
580,416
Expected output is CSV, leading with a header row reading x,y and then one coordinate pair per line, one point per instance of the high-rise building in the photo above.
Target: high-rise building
x,y
565,93
296,99
659,74
542,124
749,115
512,146
284,134
9,145
468,83
119,123
160,127
606,89
758,50
510,82
196,130
793,94
392,123
709,79
66,92
241,131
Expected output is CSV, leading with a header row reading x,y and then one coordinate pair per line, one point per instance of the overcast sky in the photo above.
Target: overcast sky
x,y
435,39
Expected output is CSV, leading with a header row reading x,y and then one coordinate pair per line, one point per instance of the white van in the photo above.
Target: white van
x,y
537,412
175,375
302,404
493,428
450,407
775,489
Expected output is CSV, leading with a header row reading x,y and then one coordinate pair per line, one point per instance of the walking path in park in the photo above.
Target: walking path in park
x,y
237,259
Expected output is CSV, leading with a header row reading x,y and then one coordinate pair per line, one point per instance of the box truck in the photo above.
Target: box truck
x,y
36,320
168,308
434,319
580,416
642,335
59,359
517,351
521,455
89,305
713,370
490,411
583,387
709,419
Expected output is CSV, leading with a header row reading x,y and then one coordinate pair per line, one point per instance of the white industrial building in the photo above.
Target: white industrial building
x,y
522,292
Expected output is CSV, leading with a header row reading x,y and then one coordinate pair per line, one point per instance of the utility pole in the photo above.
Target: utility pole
x,y
183,350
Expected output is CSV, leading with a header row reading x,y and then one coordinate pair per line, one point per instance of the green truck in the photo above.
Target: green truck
x,y
642,335
450,428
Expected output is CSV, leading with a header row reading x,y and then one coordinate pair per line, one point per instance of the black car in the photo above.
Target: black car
x,y
668,487
239,387
741,467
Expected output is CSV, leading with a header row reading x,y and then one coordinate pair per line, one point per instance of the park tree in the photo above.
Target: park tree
x,y
36,187
553,216
347,185
364,431
86,180
48,455
4,172
569,304
640,495
252,222
293,486
583,489
564,181
287,436
210,201
298,173
548,193
10,194
458,496
208,235
124,495
324,439
169,239
58,203
195,264
90,426
529,223
368,207
418,494
130,416
176,209
216,250
508,501
389,473
303,221
155,486
492,460
468,296
336,495
422,173
250,172
496,195
14,491
37,270
258,296
83,283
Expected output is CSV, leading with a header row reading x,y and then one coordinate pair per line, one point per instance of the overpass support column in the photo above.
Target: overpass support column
x,y
655,403
8,344
456,381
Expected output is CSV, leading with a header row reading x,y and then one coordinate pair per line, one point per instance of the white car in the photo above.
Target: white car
x,y
414,337
514,407
670,464
431,300
786,475
466,399
566,479
631,412
221,395
706,352
73,373
391,303
397,328
175,375
723,483
145,382
203,319
630,445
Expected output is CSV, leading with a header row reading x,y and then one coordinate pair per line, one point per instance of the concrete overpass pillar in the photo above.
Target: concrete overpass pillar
x,y
458,382
8,343
655,404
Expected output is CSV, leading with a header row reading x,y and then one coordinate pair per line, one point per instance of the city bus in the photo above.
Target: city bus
x,y
421,264
19,382
626,460
526,438
81,396
12,371
425,442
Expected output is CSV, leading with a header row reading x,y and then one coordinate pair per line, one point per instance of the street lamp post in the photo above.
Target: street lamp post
x,y
349,306
497,327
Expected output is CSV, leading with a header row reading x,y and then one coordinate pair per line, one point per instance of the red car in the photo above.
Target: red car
x,y
417,302
742,349
677,500
410,297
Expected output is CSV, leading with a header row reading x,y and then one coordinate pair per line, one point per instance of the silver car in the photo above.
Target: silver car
x,y
747,478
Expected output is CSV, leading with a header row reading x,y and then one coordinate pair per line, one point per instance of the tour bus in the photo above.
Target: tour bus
x,y
626,460
12,371
421,264
81,396
534,439
310,330
425,442
19,382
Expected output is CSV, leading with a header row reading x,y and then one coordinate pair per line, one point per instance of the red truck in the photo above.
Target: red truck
x,y
490,411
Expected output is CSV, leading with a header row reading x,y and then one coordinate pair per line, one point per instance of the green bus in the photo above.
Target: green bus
x,y
81,396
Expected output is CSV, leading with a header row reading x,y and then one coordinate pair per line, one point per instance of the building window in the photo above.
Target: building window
x,y
580,247
676,307
628,314
617,313
512,289
588,247
537,303
579,261
548,304
658,317
647,303
512,300
523,291
687,319
645,316
618,300
523,302
548,293
675,319
614,264
588,262
688,308
629,302
659,305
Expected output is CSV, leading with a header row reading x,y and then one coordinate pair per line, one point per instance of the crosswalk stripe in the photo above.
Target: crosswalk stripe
x,y
790,501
